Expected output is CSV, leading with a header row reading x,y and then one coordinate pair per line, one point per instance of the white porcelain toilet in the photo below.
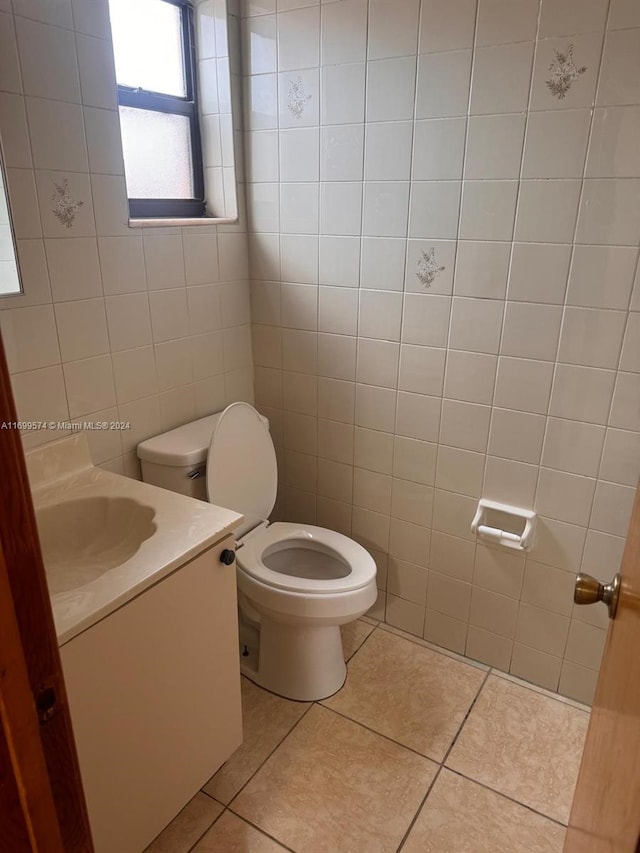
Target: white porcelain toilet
x,y
296,583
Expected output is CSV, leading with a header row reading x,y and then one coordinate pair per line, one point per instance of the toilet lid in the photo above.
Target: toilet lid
x,y
242,472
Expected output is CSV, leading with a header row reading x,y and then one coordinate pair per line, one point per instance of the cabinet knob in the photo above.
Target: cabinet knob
x,y
227,556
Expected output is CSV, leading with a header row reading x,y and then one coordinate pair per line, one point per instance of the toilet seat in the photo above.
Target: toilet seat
x,y
344,555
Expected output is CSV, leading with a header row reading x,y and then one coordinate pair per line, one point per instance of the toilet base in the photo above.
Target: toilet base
x,y
296,661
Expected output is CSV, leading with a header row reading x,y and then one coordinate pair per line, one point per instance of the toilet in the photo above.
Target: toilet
x,y
297,583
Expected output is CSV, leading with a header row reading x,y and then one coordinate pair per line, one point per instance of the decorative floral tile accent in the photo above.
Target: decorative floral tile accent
x,y
297,100
428,268
564,73
66,207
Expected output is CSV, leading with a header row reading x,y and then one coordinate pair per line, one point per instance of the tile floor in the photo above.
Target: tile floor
x,y
421,751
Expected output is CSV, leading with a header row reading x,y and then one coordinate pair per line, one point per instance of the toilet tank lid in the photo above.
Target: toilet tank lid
x,y
186,445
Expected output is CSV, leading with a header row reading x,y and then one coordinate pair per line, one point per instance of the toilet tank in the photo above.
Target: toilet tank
x,y
177,460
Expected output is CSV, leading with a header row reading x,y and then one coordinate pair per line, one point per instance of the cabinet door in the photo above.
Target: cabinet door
x,y
154,691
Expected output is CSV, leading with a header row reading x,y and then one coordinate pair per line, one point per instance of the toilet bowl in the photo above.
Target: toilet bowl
x,y
297,583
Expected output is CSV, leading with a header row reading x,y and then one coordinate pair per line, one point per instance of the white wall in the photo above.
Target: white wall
x,y
379,133
149,326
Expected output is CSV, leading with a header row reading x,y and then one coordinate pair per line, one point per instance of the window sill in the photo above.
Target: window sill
x,y
178,222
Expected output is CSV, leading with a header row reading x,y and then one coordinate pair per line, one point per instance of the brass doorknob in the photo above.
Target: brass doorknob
x,y
588,590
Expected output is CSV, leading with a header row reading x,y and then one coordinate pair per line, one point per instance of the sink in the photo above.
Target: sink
x,y
84,538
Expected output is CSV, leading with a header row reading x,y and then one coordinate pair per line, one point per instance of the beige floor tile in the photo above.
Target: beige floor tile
x,y
266,720
461,816
185,829
353,636
408,692
230,834
334,786
523,744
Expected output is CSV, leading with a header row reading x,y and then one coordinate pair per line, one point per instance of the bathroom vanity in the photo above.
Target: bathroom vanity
x,y
144,600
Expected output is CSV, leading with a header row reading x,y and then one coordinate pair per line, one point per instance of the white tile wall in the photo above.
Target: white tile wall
x,y
149,326
443,300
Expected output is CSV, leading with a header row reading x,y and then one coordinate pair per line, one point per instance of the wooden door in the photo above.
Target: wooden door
x,y
605,817
42,805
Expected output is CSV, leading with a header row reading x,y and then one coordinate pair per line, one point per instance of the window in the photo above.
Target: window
x,y
154,51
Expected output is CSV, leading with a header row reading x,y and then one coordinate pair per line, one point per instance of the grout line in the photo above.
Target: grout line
x,y
419,810
213,822
462,724
261,830
426,644
277,746
507,797
541,691
388,738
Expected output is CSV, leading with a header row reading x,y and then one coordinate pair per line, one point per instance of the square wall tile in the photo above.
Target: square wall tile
x,y
501,78
460,471
610,212
444,82
548,588
299,39
385,209
601,276
620,67
494,147
382,263
392,30
523,384
476,324
438,149
539,272
30,337
548,91
380,315
544,159
341,154
89,385
465,425
488,210
531,330
566,17
343,32
390,89
443,27
425,319
418,416
582,393
573,446
82,329
343,88
434,209
516,435
591,338
502,22
430,266
547,211
470,377
387,154
48,59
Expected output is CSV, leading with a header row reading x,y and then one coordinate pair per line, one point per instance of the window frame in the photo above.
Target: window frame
x,y
169,208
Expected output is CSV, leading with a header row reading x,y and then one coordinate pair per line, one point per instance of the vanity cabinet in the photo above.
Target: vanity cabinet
x,y
154,692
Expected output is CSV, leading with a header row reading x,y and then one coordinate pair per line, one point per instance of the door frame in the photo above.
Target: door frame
x,y
42,806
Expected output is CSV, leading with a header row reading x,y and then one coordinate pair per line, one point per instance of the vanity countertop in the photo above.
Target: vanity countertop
x,y
62,471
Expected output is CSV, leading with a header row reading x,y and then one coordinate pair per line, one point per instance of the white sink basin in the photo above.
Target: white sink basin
x,y
84,538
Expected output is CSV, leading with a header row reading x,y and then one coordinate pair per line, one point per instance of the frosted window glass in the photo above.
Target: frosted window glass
x,y
157,154
147,45
9,279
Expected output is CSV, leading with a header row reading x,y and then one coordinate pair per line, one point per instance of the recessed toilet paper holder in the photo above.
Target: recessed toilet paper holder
x,y
506,525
